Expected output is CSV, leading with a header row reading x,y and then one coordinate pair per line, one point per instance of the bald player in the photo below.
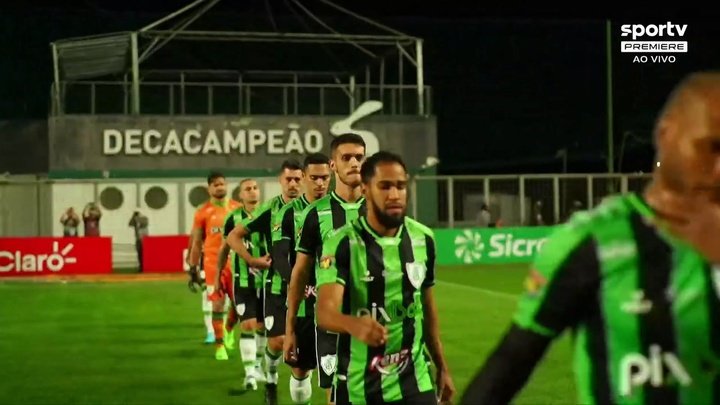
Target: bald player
x,y
636,279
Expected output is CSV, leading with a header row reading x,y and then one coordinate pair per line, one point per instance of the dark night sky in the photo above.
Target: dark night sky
x,y
511,87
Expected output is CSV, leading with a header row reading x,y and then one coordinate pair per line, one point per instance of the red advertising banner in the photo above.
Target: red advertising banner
x,y
164,254
55,256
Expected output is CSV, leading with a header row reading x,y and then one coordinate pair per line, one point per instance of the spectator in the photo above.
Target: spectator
x,y
70,222
483,217
139,223
91,219
537,216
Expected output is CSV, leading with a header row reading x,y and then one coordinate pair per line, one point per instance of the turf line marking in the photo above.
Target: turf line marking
x,y
482,290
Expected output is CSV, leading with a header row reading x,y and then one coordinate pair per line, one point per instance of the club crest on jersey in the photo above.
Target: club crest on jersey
x,y
240,309
328,363
326,262
276,227
534,282
269,322
416,272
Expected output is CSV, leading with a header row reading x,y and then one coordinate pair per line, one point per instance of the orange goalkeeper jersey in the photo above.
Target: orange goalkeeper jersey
x,y
210,218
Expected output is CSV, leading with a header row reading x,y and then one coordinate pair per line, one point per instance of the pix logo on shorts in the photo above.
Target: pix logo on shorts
x,y
639,45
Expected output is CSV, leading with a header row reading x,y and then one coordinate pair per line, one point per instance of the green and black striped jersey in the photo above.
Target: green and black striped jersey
x,y
643,307
384,277
319,218
261,223
283,236
254,244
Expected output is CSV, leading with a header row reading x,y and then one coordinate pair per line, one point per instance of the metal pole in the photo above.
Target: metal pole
x,y
182,92
367,83
451,202
486,190
322,101
382,81
556,199
352,93
420,76
590,191
610,136
210,99
522,200
171,93
92,98
240,94
285,100
414,198
56,65
135,74
296,96
400,79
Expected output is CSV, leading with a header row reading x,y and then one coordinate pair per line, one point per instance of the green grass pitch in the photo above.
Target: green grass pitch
x,y
141,342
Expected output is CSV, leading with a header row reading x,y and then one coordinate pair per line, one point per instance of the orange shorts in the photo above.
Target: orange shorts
x,y
226,286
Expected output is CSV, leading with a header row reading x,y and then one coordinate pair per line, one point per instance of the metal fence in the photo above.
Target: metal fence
x,y
32,206
513,200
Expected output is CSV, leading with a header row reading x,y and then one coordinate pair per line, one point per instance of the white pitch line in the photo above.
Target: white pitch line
x,y
482,290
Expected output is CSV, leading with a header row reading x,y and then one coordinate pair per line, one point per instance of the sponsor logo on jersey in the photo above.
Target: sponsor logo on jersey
x,y
393,363
637,304
395,311
534,282
658,369
326,262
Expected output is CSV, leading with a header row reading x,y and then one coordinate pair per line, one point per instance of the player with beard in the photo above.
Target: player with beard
x,y
375,289
261,222
247,284
208,224
635,279
333,211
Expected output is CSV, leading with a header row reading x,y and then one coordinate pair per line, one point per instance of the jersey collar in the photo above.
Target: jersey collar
x,y
382,240
342,201
220,203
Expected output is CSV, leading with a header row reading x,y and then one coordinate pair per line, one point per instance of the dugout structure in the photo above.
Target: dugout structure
x,y
317,57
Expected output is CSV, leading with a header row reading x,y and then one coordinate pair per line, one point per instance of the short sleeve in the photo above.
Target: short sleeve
x,y
229,224
560,287
334,265
199,220
259,223
309,239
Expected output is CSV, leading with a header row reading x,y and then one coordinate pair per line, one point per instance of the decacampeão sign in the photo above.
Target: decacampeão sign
x,y
120,142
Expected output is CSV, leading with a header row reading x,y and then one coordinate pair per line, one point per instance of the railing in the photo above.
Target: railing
x,y
32,207
230,98
514,200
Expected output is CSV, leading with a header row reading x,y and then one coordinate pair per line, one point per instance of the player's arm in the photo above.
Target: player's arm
x,y
228,226
283,241
309,241
235,238
196,234
560,288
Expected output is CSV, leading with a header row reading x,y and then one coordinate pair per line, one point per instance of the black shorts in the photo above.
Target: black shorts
x,y
305,343
326,346
275,312
260,295
246,303
341,396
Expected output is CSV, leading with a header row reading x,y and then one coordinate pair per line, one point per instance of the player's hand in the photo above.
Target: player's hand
x,y
290,349
370,332
445,386
261,262
195,281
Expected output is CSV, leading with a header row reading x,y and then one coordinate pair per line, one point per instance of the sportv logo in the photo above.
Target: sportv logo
x,y
469,246
29,262
638,45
